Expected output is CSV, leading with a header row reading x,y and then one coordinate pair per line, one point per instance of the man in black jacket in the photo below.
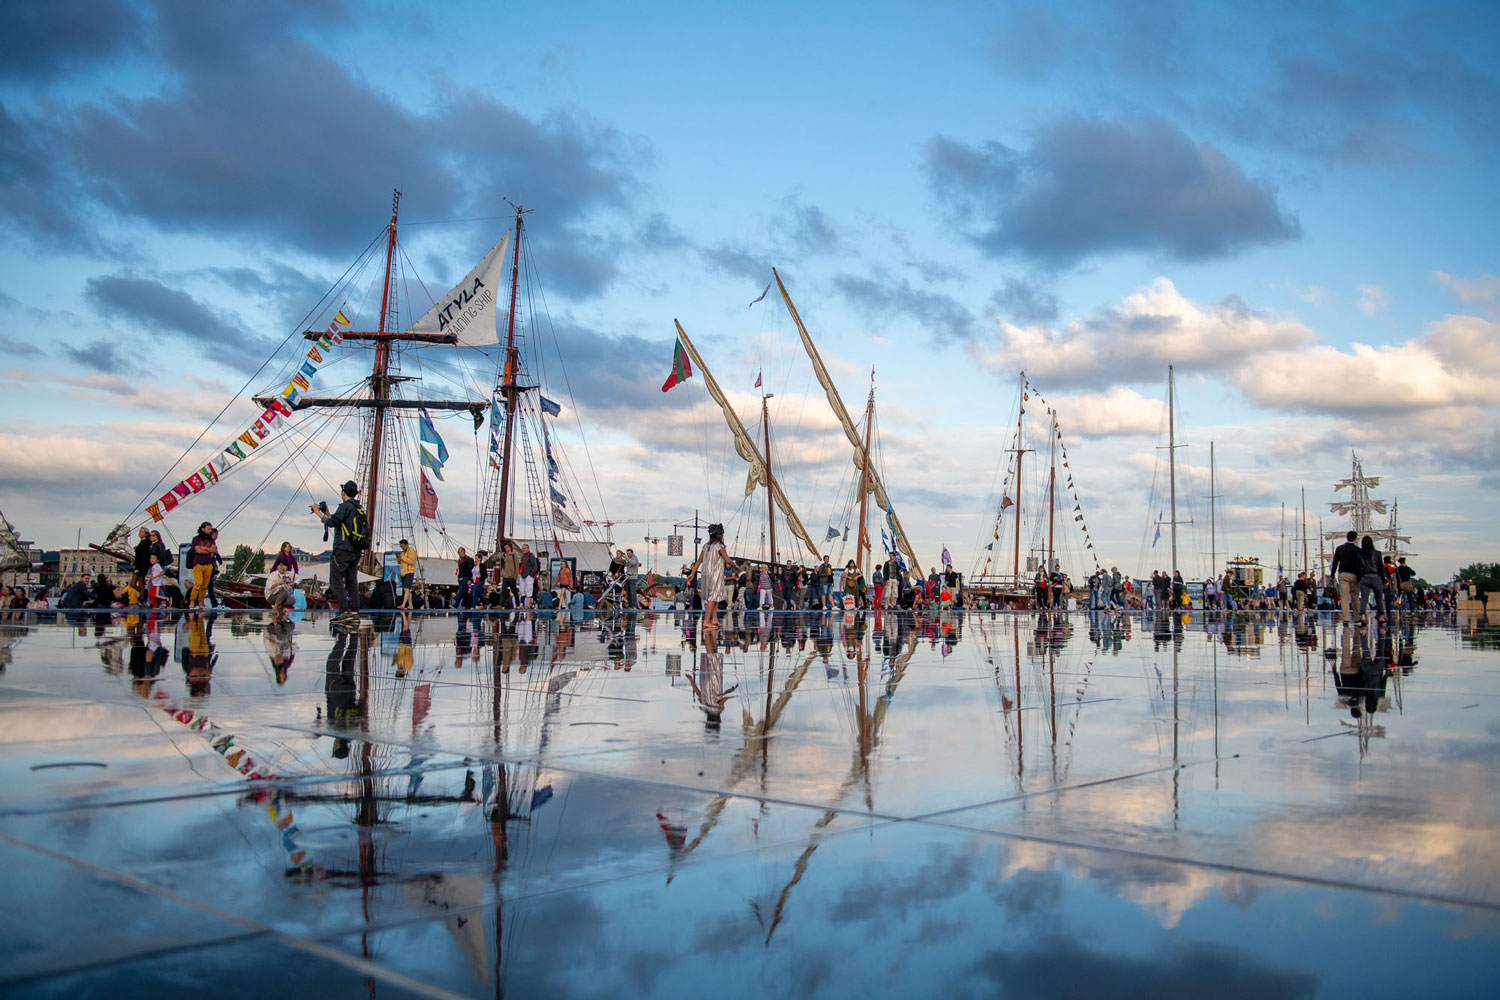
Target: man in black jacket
x,y
344,572
1346,568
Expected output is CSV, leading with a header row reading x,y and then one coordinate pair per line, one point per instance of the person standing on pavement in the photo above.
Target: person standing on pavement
x,y
510,576
465,570
632,572
528,570
202,557
710,568
406,564
344,570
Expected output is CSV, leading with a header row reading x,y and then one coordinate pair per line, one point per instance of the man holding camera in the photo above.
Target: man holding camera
x,y
344,575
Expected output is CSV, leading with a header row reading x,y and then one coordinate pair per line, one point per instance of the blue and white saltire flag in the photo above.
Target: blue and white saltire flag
x,y
496,434
900,562
430,435
557,497
885,540
551,462
1157,537
431,462
832,534
550,408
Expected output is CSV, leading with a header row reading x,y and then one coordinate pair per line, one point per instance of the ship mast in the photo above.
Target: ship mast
x,y
765,420
864,481
1015,565
1052,497
380,380
1172,465
508,388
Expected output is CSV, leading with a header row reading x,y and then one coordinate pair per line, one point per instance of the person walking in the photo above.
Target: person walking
x,y
143,554
350,532
1371,580
510,576
823,592
564,585
1346,568
406,565
527,580
709,570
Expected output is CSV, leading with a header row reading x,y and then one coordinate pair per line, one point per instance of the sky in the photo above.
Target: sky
x,y
1294,205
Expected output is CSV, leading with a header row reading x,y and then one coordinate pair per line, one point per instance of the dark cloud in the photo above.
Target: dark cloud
x,y
737,262
101,355
158,309
12,348
42,39
218,151
807,228
1070,969
657,233
1088,187
1024,301
1365,84
885,298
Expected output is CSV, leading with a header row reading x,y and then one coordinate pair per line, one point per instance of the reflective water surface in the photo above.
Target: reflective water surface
x,y
968,805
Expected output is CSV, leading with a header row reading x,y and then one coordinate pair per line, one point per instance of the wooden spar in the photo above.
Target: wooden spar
x,y
744,445
765,421
380,387
842,412
862,539
508,388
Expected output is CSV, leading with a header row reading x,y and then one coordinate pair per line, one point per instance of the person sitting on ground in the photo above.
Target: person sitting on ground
x,y
279,587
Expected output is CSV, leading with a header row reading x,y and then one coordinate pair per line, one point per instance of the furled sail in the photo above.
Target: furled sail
x,y
850,431
468,310
744,446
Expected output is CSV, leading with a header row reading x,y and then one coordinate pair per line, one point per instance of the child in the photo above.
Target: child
x,y
133,591
155,576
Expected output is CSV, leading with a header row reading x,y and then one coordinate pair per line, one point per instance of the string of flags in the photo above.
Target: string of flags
x,y
560,518
242,445
1027,390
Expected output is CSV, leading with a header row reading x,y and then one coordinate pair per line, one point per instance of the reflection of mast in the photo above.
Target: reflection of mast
x,y
1052,494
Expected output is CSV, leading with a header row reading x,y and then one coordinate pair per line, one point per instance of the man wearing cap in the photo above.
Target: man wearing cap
x,y
344,572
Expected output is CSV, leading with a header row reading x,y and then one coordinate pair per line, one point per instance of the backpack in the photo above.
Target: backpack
x,y
357,531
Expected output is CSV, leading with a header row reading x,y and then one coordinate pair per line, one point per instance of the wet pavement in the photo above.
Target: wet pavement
x,y
966,805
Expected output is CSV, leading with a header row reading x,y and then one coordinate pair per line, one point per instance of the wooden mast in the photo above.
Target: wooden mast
x,y
1172,465
864,482
1052,498
508,389
380,380
1015,567
765,420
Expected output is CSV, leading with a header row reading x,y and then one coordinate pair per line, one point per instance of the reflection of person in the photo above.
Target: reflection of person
x,y
199,659
709,568
339,686
708,680
280,648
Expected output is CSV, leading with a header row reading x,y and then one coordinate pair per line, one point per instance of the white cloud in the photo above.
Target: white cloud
x,y
1373,300
1139,337
1484,288
1116,411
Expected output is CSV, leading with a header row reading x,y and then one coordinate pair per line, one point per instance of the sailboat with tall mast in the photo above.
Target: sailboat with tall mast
x,y
759,474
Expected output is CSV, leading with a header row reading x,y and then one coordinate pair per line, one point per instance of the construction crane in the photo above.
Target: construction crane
x,y
653,541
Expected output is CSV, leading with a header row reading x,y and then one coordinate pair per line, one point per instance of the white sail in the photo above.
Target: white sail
x,y
850,431
468,310
744,446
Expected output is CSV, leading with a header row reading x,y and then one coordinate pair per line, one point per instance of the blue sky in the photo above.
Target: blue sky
x,y
1293,205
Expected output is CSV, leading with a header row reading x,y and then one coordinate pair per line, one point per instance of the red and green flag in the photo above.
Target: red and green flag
x,y
681,370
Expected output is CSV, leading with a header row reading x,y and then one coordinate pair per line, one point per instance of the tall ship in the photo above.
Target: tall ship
x,y
1365,513
287,451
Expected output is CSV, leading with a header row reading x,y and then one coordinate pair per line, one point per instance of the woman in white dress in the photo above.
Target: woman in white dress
x,y
709,570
